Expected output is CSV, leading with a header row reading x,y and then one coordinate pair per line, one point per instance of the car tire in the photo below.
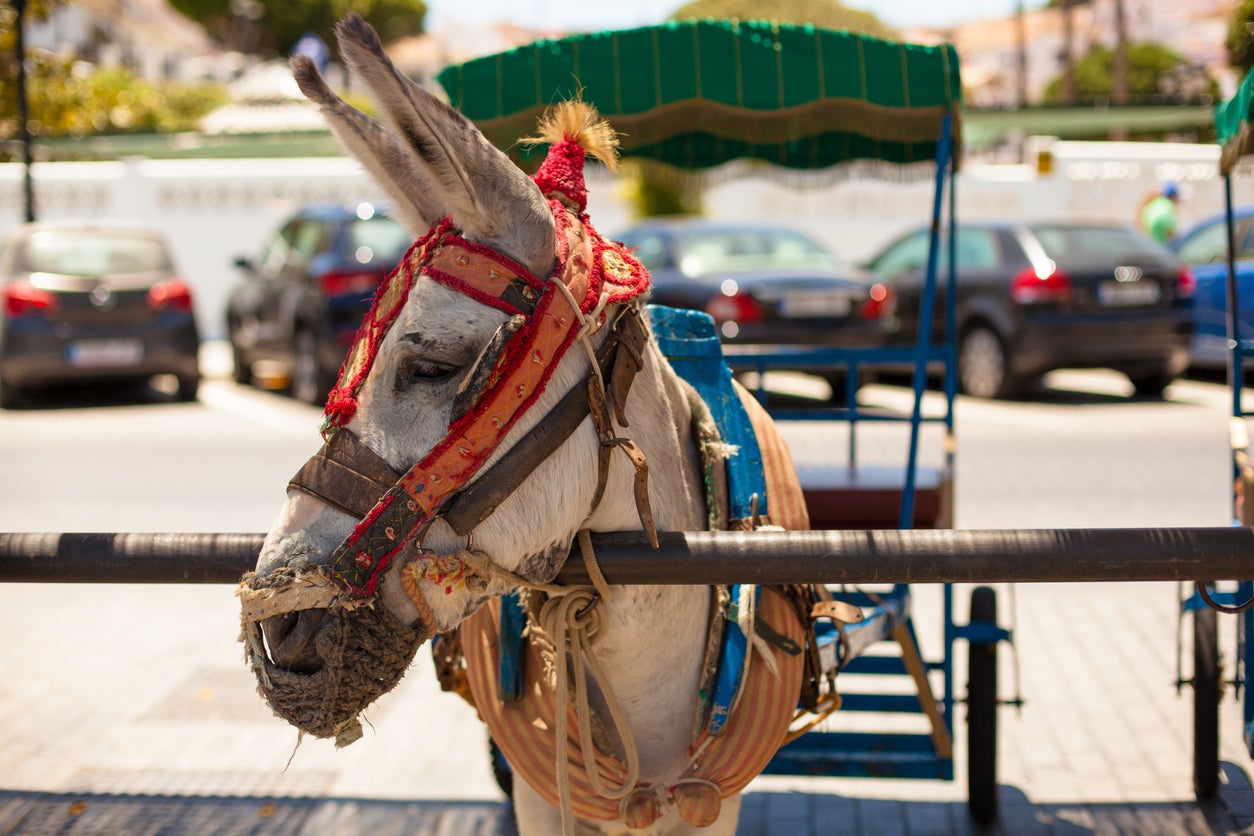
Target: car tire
x,y
241,369
11,397
1151,385
983,367
837,380
188,387
310,382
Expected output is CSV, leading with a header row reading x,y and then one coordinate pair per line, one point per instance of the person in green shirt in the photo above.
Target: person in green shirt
x,y
1158,215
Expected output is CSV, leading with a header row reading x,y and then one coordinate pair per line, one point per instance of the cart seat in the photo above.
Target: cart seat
x,y
869,496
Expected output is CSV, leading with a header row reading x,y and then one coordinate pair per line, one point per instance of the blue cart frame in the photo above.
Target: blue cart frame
x,y
698,94
1232,120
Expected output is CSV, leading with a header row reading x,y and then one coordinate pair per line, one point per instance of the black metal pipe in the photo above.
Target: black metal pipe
x,y
856,557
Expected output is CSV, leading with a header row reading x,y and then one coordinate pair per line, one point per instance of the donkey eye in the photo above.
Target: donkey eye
x,y
418,370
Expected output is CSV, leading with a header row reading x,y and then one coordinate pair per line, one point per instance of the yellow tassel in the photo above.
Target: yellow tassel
x,y
578,121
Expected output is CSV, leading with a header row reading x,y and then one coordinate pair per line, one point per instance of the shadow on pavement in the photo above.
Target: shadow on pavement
x,y
92,813
762,814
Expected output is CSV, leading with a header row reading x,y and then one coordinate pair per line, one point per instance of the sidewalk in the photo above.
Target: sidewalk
x,y
128,709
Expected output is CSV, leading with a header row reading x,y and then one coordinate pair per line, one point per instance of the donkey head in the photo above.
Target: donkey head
x,y
463,354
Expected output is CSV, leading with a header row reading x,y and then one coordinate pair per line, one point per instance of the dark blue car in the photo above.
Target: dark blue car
x,y
1205,248
293,318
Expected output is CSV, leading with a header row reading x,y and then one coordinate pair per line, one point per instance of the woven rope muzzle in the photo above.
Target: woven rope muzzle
x,y
364,648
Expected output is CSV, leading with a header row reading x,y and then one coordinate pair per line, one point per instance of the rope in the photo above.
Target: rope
x,y
572,621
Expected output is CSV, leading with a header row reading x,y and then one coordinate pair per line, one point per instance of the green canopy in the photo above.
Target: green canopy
x,y
696,94
1232,125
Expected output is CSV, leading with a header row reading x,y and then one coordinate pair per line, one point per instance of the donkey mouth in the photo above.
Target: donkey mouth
x,y
290,640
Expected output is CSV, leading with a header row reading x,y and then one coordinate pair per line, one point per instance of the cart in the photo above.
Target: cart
x,y
727,97
1236,139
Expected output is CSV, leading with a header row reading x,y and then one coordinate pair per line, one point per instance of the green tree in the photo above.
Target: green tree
x,y
827,14
1154,73
1239,42
274,26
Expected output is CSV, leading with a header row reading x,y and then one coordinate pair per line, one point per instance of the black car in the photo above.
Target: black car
x,y
1034,297
293,318
764,286
92,302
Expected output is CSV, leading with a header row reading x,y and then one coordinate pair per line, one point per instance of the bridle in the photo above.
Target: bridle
x,y
547,317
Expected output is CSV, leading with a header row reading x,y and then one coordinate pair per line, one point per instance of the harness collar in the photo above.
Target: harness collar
x,y
593,272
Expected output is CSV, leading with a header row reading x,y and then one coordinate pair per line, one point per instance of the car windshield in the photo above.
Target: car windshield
x,y
700,253
1089,243
378,239
80,252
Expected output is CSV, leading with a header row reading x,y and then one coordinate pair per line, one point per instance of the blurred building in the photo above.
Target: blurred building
x,y
146,36
990,54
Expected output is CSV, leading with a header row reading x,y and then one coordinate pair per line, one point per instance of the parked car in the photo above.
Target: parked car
x,y
92,302
1204,248
763,285
1033,297
293,318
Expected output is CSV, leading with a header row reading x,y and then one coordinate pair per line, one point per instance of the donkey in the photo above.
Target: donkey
x,y
457,470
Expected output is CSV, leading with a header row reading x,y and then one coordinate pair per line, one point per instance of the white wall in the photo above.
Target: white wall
x,y
215,210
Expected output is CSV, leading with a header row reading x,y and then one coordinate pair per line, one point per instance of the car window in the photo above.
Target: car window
x,y
650,250
86,253
1206,246
1246,247
1093,242
906,256
977,249
379,238
275,256
702,252
312,236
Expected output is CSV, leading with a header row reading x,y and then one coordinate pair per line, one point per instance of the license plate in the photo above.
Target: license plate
x,y
814,304
101,353
1128,293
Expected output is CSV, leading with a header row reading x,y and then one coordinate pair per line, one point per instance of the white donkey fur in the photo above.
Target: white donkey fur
x,y
434,162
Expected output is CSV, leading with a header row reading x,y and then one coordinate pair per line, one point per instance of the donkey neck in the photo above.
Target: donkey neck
x,y
652,639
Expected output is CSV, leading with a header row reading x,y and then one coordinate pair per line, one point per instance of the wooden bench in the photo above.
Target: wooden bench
x,y
869,496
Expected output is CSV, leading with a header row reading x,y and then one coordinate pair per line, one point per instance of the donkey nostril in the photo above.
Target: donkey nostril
x,y
290,640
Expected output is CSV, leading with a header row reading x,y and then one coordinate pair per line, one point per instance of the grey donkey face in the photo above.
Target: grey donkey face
x,y
432,161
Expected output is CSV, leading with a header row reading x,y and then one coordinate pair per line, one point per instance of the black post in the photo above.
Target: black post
x,y
23,109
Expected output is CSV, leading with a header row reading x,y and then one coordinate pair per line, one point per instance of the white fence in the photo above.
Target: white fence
x,y
215,210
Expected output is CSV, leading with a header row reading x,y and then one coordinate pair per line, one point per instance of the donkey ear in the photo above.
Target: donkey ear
x,y
488,196
416,202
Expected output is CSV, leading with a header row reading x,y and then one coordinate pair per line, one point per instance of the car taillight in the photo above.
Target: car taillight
x,y
170,295
1186,283
737,307
879,303
22,299
350,284
1034,286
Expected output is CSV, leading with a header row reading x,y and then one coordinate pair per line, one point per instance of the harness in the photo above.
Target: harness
x,y
546,317
747,708
515,676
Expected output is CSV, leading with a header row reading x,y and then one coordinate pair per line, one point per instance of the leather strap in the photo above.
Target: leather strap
x,y
473,503
346,474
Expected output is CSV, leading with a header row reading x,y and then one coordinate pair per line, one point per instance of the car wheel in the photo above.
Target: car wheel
x,y
1151,385
188,386
11,397
983,370
838,382
241,369
310,383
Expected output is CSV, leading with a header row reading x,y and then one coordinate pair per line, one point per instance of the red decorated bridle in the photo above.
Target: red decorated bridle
x,y
546,317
